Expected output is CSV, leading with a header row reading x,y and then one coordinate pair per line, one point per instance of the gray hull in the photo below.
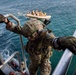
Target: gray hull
x,y
64,62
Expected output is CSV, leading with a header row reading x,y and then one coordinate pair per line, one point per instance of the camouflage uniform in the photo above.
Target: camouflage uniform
x,y
40,53
39,49
40,43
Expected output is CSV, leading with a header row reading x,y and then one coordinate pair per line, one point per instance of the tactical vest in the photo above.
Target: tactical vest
x,y
39,47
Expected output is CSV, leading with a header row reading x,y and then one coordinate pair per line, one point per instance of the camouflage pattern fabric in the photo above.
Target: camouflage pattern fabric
x,y
28,29
39,57
39,50
32,26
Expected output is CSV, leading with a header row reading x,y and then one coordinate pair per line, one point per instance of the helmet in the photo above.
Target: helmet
x,y
32,26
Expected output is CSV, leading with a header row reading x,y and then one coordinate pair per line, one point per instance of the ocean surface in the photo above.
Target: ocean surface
x,y
63,23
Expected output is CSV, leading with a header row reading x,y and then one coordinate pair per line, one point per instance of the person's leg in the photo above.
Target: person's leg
x,y
45,67
33,68
35,61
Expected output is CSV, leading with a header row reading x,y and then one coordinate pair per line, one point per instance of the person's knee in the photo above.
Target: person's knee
x,y
45,68
33,69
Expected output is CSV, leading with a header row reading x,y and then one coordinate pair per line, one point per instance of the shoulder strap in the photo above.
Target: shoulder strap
x,y
42,34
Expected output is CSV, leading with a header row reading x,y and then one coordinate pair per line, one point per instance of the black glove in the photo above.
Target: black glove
x,y
67,42
1,18
46,22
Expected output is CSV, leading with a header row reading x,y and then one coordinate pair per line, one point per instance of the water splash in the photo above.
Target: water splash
x,y
5,54
22,13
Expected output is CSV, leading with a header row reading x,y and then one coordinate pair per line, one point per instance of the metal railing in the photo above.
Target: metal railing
x,y
18,23
10,58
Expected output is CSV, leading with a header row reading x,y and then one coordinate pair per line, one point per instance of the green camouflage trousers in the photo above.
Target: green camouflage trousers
x,y
40,62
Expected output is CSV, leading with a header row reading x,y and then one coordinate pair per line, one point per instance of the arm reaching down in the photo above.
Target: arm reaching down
x,y
65,42
59,43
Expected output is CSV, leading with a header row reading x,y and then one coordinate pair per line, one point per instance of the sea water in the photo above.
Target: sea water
x,y
63,23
